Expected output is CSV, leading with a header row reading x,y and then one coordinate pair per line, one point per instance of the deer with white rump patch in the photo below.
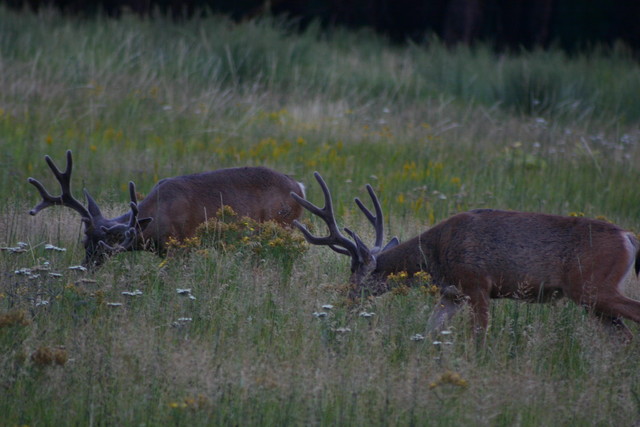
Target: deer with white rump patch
x,y
482,254
175,207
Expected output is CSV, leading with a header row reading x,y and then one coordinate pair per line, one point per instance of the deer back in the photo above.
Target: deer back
x,y
516,254
179,204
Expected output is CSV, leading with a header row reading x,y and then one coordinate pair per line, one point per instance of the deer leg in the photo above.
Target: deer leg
x,y
614,325
478,291
479,300
450,302
611,308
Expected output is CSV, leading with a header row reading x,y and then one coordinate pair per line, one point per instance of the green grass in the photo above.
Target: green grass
x,y
434,131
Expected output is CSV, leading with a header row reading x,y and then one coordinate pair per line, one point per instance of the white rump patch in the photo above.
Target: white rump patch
x,y
303,189
631,244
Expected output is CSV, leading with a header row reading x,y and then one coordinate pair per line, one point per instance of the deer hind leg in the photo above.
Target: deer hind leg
x,y
602,294
610,306
615,326
610,309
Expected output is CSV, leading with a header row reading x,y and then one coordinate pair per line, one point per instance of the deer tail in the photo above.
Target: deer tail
x,y
634,241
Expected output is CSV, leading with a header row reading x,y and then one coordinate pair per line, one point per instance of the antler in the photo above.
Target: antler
x,y
361,256
377,221
335,240
66,198
131,230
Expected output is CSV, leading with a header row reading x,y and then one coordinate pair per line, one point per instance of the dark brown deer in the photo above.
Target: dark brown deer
x,y
175,207
482,254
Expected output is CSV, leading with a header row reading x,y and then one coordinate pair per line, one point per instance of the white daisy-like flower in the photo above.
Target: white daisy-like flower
x,y
367,315
13,249
417,337
327,306
132,293
319,314
50,247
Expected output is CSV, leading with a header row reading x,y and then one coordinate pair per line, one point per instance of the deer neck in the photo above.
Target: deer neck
x,y
409,257
406,257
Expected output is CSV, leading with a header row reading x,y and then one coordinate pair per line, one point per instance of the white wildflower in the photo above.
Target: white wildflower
x,y
50,247
132,293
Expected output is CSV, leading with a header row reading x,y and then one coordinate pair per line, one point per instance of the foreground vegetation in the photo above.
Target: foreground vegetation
x,y
435,132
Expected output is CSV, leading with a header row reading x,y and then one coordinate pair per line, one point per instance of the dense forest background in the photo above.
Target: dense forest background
x,y
507,24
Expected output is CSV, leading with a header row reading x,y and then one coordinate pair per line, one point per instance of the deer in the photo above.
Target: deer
x,y
174,207
483,254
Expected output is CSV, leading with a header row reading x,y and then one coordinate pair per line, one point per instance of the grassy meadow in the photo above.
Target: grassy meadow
x,y
435,131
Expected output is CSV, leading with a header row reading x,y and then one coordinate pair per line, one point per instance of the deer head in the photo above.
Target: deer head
x,y
102,236
364,273
482,254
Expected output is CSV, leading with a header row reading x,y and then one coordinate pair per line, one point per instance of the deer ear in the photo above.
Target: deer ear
x,y
144,222
92,206
115,229
392,244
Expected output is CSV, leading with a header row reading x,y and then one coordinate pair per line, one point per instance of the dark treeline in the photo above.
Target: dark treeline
x,y
512,24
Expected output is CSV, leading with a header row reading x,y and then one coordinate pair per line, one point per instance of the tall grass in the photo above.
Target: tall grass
x,y
434,131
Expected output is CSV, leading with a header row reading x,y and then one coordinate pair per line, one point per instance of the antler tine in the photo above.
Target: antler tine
x,y
133,219
376,220
335,240
66,198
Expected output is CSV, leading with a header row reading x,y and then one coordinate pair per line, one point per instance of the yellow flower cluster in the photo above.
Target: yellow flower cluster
x,y
47,356
398,277
402,281
13,318
450,378
230,233
193,403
